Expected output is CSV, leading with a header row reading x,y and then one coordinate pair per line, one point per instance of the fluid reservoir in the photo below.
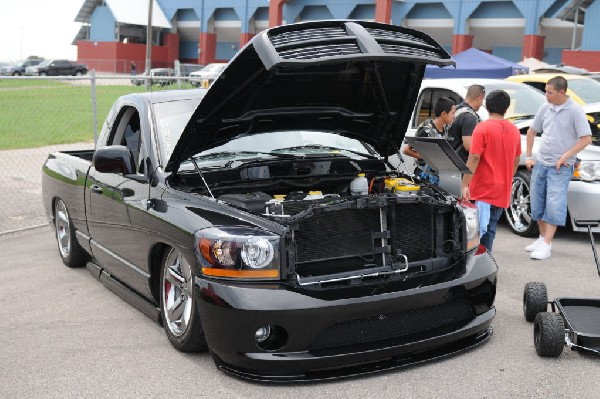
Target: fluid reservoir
x,y
313,195
360,185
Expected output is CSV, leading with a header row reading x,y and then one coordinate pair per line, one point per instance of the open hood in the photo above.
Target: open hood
x,y
360,79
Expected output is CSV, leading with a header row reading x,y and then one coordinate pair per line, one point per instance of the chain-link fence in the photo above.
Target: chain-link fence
x,y
39,115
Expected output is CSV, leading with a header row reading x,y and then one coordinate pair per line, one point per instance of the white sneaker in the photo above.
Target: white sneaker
x,y
533,246
542,251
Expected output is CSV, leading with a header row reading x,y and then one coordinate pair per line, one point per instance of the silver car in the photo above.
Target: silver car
x,y
584,189
204,77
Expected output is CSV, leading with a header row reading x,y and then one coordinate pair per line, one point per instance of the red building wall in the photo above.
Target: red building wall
x,y
116,57
589,60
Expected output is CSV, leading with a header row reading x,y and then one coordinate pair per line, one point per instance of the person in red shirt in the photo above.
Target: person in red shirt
x,y
493,159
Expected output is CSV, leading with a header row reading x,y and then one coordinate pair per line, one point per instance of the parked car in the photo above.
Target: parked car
x,y
57,68
584,189
207,75
186,69
18,68
260,219
156,77
581,89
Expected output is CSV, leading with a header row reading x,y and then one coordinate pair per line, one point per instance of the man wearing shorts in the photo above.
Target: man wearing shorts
x,y
565,132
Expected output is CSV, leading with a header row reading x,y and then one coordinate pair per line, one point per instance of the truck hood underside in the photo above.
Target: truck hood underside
x,y
359,79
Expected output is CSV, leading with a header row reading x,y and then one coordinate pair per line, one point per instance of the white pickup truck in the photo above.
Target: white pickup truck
x,y
584,189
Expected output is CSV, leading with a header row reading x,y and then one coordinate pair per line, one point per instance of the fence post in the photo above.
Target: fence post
x,y
94,110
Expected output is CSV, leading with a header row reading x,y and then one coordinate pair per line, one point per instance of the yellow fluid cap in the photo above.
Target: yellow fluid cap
x,y
279,196
361,175
315,193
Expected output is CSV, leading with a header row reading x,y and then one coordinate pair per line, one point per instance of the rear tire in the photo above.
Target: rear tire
x,y
535,300
43,74
518,213
180,318
70,252
549,334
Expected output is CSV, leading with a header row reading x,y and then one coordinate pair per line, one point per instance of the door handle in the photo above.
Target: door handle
x,y
96,189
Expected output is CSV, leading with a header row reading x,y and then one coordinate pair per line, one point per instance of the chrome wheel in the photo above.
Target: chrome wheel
x,y
177,293
518,212
62,226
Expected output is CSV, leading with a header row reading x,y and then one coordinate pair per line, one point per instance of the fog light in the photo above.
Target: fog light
x,y
262,334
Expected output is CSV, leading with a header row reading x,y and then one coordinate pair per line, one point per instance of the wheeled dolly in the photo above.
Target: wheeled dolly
x,y
572,322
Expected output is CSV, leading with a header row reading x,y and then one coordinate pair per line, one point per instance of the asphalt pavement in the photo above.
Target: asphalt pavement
x,y
64,335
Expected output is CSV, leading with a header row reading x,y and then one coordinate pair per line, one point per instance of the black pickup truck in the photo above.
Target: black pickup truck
x,y
261,220
57,68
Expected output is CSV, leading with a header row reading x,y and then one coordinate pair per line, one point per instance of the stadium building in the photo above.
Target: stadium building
x,y
113,32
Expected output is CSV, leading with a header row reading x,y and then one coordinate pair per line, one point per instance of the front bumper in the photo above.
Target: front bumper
x,y
583,199
329,338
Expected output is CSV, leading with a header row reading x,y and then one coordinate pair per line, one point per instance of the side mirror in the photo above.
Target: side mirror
x,y
114,159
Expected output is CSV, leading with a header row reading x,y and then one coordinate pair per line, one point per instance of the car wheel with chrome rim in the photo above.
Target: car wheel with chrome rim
x,y
71,253
518,213
178,304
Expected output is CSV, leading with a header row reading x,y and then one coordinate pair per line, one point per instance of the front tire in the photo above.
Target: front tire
x,y
518,213
70,252
535,300
43,74
549,334
180,319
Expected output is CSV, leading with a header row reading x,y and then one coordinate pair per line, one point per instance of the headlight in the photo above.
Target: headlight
x,y
238,252
472,223
588,171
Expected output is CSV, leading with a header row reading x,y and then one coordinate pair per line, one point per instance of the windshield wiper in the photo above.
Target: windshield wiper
x,y
326,147
233,153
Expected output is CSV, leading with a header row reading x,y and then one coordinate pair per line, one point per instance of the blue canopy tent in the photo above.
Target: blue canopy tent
x,y
473,63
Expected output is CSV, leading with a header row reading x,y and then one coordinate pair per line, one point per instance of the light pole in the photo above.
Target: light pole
x,y
149,43
21,44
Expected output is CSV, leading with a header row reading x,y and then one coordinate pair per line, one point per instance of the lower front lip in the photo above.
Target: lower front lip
x,y
333,338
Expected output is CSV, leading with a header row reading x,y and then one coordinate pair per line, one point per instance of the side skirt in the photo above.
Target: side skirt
x,y
141,303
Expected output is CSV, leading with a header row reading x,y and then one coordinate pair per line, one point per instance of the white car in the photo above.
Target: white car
x,y
204,77
584,189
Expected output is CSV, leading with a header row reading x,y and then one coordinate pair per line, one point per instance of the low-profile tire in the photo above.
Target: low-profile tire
x,y
518,213
180,318
535,300
70,252
549,334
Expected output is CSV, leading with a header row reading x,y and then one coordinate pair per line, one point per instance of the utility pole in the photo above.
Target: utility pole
x,y
149,44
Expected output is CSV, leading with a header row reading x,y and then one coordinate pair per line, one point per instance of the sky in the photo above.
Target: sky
x,y
43,28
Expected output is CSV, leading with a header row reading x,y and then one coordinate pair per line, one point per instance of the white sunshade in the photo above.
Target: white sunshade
x,y
135,12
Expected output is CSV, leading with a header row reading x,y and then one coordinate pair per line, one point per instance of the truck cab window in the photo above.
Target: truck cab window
x,y
127,132
132,137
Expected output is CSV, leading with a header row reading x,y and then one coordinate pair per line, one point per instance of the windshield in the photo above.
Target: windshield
x,y
44,63
171,119
281,144
524,99
587,89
